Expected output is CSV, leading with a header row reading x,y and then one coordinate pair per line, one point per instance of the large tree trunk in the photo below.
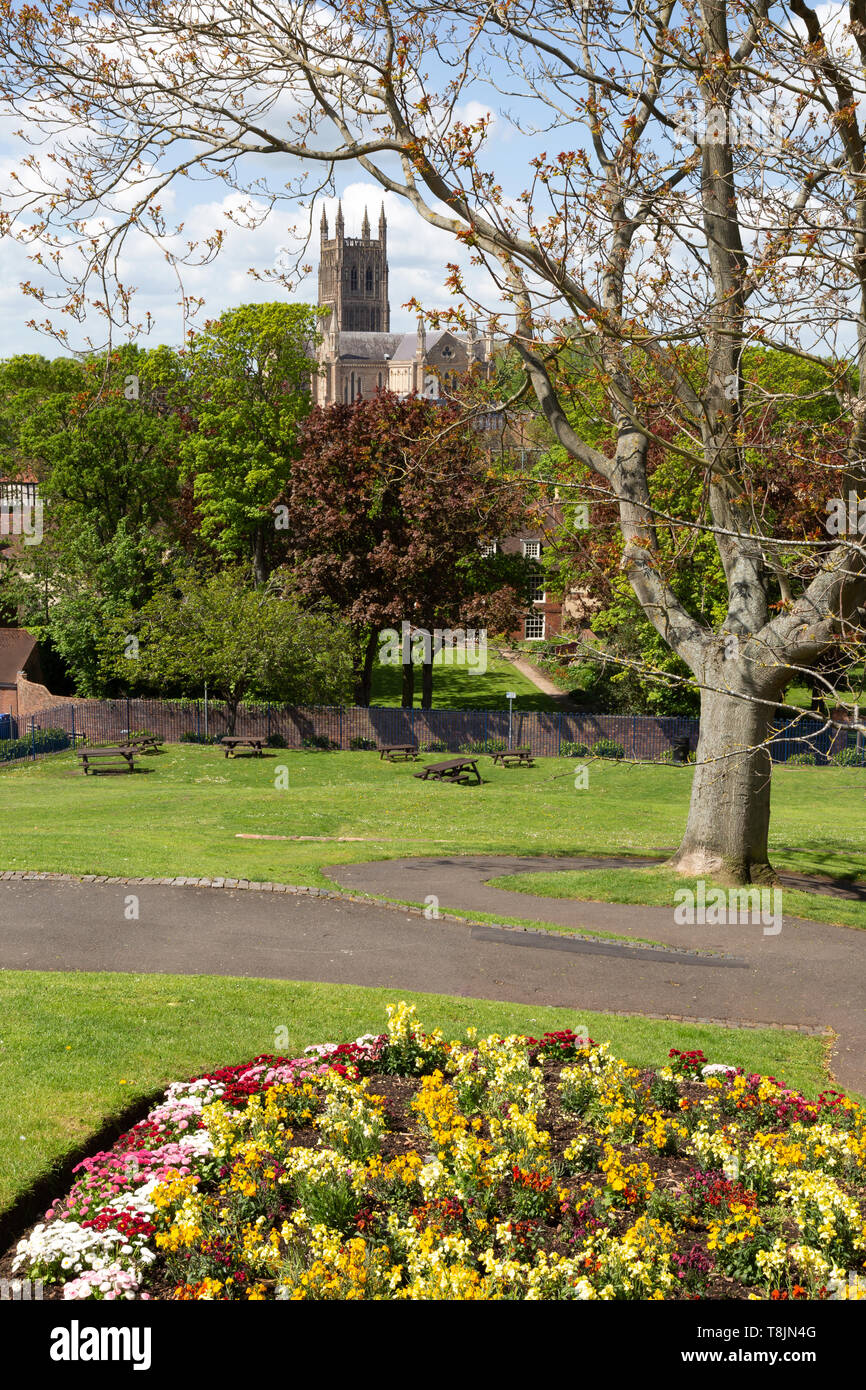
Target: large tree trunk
x,y
729,814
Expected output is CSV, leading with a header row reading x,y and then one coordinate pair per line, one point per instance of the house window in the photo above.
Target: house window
x,y
532,550
536,589
533,626
489,549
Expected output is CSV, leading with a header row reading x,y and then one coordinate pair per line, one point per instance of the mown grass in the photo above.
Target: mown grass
x,y
462,687
185,814
77,1049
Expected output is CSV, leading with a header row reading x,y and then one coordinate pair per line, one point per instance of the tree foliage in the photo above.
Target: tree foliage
x,y
247,389
386,514
216,630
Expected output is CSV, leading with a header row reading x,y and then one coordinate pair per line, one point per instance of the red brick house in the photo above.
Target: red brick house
x,y
19,658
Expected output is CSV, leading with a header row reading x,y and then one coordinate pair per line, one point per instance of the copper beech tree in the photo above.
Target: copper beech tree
x,y
694,183
384,518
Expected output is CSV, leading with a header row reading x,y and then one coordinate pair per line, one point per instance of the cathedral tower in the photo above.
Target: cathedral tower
x,y
353,276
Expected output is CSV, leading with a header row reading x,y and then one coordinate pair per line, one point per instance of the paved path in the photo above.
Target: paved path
x,y
808,976
539,679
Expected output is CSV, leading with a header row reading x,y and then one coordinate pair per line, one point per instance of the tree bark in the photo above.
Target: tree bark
x,y
232,702
729,814
364,671
408,697
260,567
427,685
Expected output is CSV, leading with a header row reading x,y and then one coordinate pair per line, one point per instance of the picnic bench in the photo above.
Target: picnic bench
x,y
395,751
144,741
120,756
231,743
514,757
452,770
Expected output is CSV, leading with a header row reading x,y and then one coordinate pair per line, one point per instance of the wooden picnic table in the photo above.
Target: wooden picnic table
x,y
123,754
452,770
142,741
514,757
231,743
394,751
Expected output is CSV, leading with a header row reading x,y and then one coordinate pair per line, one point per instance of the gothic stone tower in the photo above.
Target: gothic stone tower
x,y
353,277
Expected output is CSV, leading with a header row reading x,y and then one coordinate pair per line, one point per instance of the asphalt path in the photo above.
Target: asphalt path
x,y
808,976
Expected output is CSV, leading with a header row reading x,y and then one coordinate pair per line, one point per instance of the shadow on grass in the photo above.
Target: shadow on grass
x,y
31,1204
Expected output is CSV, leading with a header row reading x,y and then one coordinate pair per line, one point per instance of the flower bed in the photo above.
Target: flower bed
x,y
405,1166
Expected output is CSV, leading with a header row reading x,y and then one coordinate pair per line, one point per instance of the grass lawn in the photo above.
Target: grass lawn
x,y
183,816
77,1049
459,687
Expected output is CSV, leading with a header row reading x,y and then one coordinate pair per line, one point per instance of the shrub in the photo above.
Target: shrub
x,y
849,757
471,745
320,742
497,745
276,741
608,748
192,737
358,744
39,741
801,760
433,745
570,749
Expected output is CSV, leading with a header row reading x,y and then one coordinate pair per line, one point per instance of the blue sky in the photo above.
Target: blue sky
x,y
418,253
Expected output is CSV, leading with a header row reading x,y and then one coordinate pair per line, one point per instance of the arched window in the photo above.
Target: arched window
x,y
380,381
353,278
346,392
369,280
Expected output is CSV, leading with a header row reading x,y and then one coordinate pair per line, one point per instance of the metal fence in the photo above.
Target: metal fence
x,y
638,737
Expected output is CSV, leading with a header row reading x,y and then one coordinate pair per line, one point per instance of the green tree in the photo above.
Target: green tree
x,y
104,447
241,641
247,387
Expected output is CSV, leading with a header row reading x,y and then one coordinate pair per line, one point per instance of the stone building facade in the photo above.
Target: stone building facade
x,y
359,355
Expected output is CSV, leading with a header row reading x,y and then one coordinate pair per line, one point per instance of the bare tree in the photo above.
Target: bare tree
x,y
697,188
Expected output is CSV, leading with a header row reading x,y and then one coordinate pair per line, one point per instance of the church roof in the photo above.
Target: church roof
x,y
397,347
368,347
